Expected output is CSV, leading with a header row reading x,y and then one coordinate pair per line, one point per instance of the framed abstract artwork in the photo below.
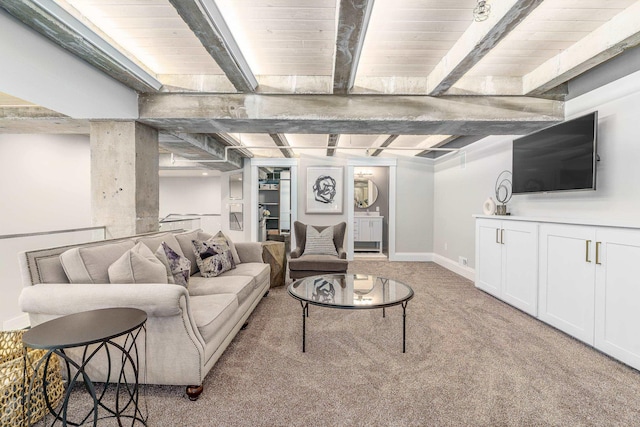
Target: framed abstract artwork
x,y
325,188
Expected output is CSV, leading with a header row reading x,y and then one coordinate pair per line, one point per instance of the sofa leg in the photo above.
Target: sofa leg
x,y
193,391
244,326
265,294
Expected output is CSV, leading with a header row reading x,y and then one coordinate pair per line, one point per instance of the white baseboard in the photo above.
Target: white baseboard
x,y
465,271
19,322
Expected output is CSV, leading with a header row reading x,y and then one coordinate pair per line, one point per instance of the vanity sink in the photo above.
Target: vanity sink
x,y
366,214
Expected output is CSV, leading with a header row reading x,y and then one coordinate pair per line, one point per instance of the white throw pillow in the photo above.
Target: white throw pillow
x,y
138,265
319,243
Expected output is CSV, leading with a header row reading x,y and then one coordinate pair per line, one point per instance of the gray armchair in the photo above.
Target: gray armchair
x,y
304,265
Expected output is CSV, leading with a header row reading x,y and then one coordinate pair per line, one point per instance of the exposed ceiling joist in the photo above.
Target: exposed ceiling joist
x,y
59,26
386,143
611,39
366,114
199,147
35,120
353,21
477,41
281,141
207,23
332,142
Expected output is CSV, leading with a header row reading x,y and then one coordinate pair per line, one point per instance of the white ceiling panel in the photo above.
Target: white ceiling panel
x,y
144,29
550,28
300,35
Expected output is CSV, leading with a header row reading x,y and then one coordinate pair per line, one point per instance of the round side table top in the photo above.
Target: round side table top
x,y
84,328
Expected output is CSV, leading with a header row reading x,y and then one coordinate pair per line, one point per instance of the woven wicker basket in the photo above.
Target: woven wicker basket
x,y
12,382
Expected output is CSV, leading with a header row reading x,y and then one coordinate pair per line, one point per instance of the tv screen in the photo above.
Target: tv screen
x,y
561,157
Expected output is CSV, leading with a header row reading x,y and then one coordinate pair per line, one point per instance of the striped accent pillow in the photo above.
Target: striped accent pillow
x,y
320,243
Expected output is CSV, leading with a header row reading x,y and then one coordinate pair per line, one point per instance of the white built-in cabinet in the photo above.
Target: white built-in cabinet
x,y
588,281
506,261
368,229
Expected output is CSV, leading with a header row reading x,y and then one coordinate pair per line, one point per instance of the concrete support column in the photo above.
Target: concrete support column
x,y
124,177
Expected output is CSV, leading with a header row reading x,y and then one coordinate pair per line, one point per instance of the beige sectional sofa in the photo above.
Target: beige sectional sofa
x,y
187,329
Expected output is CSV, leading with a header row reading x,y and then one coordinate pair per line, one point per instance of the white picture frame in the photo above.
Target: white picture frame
x,y
325,188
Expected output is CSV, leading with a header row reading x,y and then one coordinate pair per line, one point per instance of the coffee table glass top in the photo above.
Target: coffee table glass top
x,y
352,291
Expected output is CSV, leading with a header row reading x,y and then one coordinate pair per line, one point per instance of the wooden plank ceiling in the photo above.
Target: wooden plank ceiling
x,y
401,47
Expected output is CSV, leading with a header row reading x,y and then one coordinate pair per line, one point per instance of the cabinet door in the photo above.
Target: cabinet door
x,y
520,265
356,230
488,256
618,294
567,279
376,229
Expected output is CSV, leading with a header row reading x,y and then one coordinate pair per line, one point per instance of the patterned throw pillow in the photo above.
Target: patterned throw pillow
x,y
320,243
234,251
178,267
213,256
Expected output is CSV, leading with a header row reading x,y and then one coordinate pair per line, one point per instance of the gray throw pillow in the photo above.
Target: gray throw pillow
x,y
213,256
320,243
137,265
177,266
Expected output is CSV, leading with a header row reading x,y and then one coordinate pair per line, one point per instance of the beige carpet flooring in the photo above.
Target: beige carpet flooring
x,y
471,361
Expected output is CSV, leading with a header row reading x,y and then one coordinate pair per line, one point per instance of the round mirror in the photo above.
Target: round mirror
x,y
365,193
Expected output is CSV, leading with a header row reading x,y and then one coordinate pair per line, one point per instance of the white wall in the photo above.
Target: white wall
x,y
192,195
414,206
45,183
459,193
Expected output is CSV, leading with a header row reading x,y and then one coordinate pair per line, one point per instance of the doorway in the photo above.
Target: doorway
x,y
274,204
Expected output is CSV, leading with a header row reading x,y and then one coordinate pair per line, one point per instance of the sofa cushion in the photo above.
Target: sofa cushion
x,y
90,264
213,256
137,265
320,242
178,267
258,271
211,312
153,242
241,286
326,263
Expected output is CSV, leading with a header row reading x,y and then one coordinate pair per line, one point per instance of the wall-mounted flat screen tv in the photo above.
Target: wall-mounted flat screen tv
x,y
561,157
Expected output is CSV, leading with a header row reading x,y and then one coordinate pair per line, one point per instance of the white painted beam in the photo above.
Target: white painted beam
x,y
619,34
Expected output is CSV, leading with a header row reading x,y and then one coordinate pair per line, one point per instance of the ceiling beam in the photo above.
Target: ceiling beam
x,y
332,142
31,119
619,34
353,21
386,143
281,141
477,41
195,147
358,114
52,21
227,139
208,24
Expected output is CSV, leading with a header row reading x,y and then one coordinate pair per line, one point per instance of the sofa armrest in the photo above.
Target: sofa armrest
x,y
342,254
157,300
249,251
296,253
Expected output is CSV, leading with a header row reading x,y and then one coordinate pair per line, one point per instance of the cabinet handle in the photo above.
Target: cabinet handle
x,y
497,236
598,253
502,236
586,257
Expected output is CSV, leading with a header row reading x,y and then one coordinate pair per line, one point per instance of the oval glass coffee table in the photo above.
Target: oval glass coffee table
x,y
351,292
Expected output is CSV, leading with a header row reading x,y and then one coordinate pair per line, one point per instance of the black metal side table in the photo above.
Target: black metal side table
x,y
112,331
